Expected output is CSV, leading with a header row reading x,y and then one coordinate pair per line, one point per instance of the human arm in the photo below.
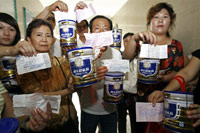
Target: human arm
x,y
167,77
188,73
192,84
56,6
22,47
8,110
130,46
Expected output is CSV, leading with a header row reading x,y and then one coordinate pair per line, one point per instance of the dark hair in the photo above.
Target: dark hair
x,y
35,24
157,8
6,18
85,22
128,34
100,16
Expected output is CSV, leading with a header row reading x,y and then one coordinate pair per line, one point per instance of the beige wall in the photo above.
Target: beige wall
x,y
34,6
132,18
7,6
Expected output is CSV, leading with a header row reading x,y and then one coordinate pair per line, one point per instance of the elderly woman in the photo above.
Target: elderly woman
x,y
10,46
52,81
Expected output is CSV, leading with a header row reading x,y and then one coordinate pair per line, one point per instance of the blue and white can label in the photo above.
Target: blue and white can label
x,y
82,66
117,37
148,70
113,87
67,33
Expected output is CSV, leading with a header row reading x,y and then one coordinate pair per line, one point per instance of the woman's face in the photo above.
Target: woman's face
x,y
100,25
7,34
160,23
41,39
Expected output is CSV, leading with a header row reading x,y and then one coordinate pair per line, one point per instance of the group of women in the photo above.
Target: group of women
x,y
57,79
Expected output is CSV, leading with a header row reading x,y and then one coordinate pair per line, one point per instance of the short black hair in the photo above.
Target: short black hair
x,y
6,18
35,24
85,22
128,34
100,16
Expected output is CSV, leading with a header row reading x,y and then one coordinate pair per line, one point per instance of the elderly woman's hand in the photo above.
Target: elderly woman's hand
x,y
194,113
58,6
155,97
80,5
39,119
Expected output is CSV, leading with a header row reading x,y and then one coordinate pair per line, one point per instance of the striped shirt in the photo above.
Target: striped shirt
x,y
2,91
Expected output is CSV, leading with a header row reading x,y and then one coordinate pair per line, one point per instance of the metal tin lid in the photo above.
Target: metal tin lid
x,y
115,74
67,20
79,49
178,92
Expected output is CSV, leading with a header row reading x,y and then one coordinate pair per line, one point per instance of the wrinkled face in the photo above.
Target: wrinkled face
x,y
160,23
100,25
7,34
82,28
41,39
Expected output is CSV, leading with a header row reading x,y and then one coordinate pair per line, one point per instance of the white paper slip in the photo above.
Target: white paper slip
x,y
116,65
146,113
24,103
29,64
153,51
85,13
99,39
60,15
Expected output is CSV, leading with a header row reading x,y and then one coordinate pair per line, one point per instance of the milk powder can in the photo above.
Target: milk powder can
x,y
82,65
113,87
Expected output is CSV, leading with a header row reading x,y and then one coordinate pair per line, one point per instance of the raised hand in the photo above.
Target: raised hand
x,y
80,5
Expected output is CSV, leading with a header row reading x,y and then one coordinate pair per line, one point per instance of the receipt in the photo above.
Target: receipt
x,y
116,65
24,103
99,39
85,13
29,64
153,51
146,113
